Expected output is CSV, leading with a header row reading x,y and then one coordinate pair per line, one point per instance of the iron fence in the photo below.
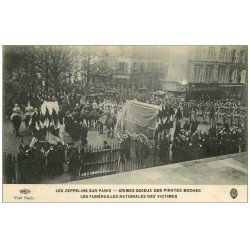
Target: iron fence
x,y
117,159
94,161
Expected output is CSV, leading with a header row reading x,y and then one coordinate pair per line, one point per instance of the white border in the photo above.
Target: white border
x,y
124,226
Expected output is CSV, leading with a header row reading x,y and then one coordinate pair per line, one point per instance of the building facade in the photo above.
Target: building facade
x,y
140,67
221,69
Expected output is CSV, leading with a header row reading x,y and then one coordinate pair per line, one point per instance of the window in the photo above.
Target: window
x,y
244,57
200,54
235,56
209,71
223,54
135,67
221,74
122,67
142,67
243,76
126,68
149,67
211,53
234,76
197,74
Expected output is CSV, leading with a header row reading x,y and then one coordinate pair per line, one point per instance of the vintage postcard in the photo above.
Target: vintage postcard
x,y
125,123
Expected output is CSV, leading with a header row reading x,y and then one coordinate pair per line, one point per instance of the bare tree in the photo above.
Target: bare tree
x,y
94,61
57,64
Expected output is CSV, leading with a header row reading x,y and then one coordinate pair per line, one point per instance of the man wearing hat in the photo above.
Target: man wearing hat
x,y
16,119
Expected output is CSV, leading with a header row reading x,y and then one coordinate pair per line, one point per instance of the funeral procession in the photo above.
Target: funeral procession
x,y
125,114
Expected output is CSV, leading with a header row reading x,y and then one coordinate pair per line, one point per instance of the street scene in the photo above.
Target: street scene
x,y
125,114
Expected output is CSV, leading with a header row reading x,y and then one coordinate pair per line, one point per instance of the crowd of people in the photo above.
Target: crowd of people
x,y
42,160
76,114
190,143
227,132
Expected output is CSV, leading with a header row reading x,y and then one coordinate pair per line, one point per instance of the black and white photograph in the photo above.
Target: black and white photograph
x,y
168,115
124,124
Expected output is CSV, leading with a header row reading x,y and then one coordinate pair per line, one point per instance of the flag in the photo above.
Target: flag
x,y
33,141
52,139
37,127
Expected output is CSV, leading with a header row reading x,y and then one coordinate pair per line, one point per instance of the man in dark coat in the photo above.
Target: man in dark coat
x,y
212,117
178,114
75,130
10,172
60,117
74,164
60,154
177,129
164,145
83,133
23,164
243,137
67,121
51,162
33,120
186,126
194,126
39,162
